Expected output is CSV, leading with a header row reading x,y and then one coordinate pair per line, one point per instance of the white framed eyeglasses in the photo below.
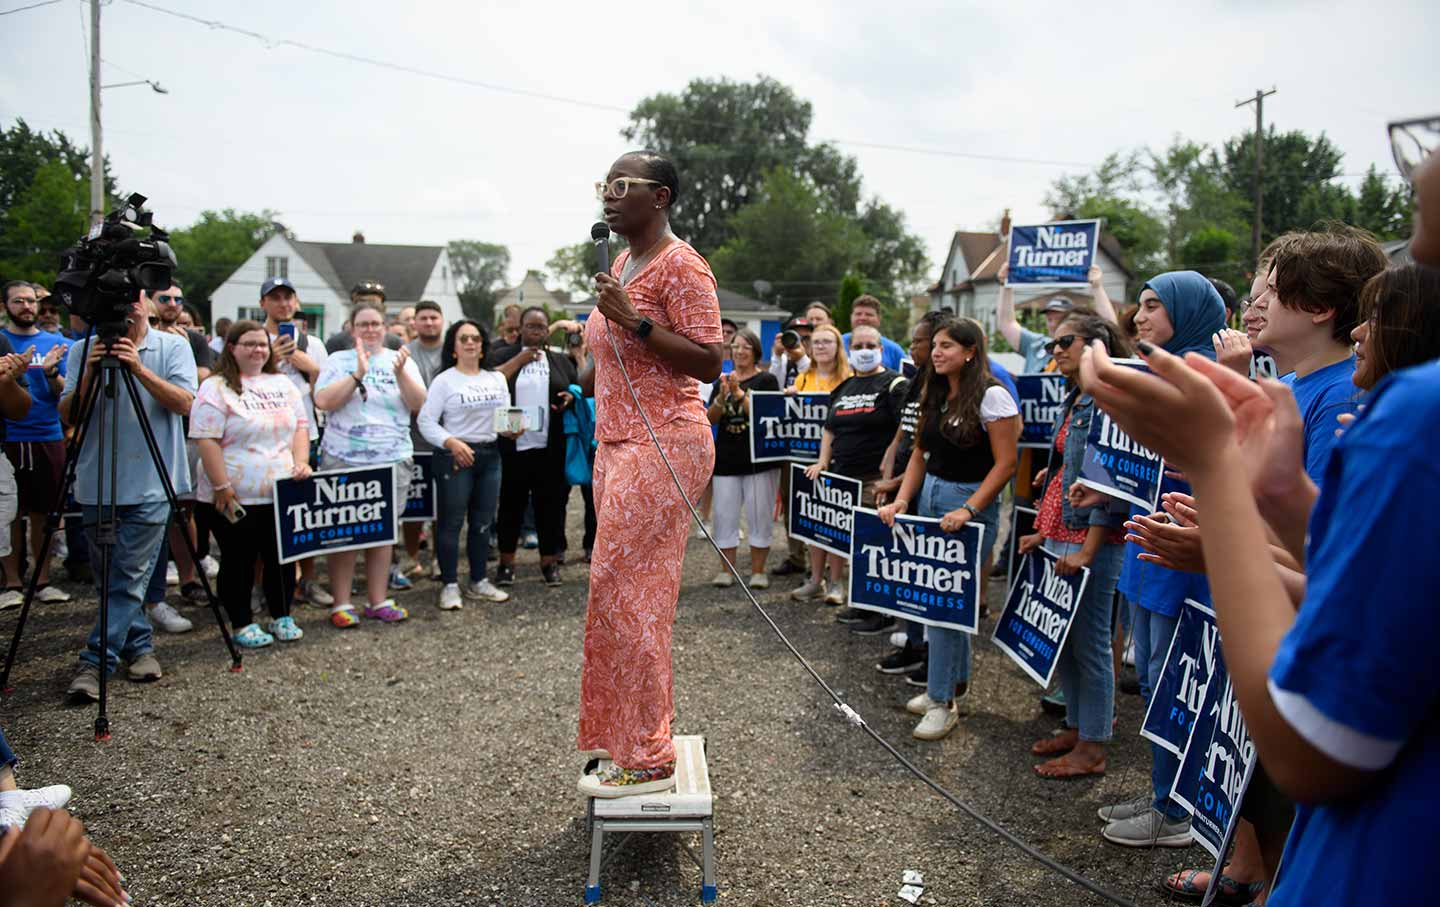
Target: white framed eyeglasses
x,y
619,187
1412,140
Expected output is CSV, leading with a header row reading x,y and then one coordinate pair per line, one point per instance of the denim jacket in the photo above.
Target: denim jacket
x,y
1115,512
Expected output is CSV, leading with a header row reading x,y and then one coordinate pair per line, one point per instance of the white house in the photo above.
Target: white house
x,y
970,286
323,274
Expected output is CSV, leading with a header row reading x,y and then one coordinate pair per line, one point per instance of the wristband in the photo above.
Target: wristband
x,y
901,502
224,487
973,511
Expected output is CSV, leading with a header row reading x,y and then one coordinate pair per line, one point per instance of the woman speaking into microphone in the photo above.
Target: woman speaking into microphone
x,y
658,306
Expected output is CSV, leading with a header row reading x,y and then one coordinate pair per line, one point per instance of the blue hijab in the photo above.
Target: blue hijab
x,y
1195,308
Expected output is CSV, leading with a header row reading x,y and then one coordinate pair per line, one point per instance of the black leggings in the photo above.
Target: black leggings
x,y
241,544
541,474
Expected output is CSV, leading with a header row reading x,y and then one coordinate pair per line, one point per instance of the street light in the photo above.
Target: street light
x,y
159,89
97,154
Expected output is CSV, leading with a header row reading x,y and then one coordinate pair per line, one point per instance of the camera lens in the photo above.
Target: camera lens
x,y
789,339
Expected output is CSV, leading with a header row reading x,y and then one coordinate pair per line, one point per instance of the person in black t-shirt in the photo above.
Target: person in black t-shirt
x,y
969,427
864,413
737,481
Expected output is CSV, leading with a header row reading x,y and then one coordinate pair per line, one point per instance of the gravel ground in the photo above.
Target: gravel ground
x,y
432,763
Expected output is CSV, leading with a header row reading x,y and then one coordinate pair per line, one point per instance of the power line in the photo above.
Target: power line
x,y
21,9
271,43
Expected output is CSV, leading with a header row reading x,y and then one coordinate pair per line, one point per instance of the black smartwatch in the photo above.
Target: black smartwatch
x,y
643,329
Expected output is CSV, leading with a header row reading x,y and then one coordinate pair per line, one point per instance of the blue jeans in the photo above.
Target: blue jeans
x,y
1085,665
139,529
949,648
1152,642
473,492
155,589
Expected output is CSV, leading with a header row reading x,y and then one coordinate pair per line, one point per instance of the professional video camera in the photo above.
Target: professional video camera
x,y
102,275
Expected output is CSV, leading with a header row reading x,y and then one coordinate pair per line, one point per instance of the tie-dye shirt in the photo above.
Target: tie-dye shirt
x,y
376,428
255,428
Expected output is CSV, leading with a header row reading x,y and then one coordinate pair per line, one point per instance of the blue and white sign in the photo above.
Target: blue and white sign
x,y
820,510
917,571
336,511
1178,696
1042,399
420,507
1053,255
1038,614
1213,768
786,426
1119,465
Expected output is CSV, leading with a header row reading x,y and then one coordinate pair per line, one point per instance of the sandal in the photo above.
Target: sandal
x,y
1061,769
251,636
1057,743
386,611
1181,886
343,617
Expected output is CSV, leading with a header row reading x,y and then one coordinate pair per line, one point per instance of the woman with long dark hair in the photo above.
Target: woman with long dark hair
x,y
658,308
966,446
458,419
1082,533
250,424
1399,323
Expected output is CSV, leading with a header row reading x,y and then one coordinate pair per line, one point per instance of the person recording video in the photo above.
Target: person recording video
x,y
164,369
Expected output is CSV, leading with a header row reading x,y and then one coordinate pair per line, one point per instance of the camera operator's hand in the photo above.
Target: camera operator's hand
x,y
123,348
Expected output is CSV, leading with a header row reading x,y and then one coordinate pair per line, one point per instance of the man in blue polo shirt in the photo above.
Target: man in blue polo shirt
x,y
865,312
164,372
35,445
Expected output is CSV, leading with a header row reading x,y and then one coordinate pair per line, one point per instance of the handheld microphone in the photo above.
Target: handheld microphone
x,y
600,235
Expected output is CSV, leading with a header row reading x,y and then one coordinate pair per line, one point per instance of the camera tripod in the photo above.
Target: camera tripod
x,y
106,419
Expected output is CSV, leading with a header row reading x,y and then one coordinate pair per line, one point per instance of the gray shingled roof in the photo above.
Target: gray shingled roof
x,y
404,270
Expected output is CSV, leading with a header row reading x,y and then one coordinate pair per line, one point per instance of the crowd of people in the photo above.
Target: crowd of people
x,y
1289,506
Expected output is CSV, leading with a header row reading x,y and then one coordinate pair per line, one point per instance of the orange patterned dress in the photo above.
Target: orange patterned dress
x,y
626,683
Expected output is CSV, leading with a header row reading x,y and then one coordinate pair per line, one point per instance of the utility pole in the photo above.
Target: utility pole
x,y
1259,102
97,154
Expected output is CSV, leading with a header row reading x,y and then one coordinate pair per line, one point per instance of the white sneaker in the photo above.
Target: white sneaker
x,y
922,703
723,580
212,567
16,805
172,575
168,619
940,719
835,595
450,597
808,591
759,581
60,549
314,593
52,594
11,598
486,590
899,638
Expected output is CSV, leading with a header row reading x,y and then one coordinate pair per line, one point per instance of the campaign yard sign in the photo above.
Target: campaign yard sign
x,y
1117,464
1042,398
1053,255
1038,614
1178,696
1211,777
820,509
786,426
420,506
336,511
916,571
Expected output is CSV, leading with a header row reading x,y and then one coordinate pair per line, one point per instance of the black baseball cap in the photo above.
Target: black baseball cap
x,y
272,283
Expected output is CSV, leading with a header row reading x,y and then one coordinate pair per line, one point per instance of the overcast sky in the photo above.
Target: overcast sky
x,y
336,146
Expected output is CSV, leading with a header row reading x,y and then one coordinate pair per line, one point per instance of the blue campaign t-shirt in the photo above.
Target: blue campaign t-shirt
x,y
1323,396
42,423
890,352
1356,675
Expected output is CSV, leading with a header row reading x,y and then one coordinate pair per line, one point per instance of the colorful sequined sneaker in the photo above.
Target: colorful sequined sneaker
x,y
387,611
614,781
251,636
285,629
343,617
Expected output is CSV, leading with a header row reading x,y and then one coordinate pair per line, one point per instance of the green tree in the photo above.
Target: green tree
x,y
480,269
787,237
48,215
1297,189
208,251
852,286
1383,206
23,151
1215,252
572,268
1114,191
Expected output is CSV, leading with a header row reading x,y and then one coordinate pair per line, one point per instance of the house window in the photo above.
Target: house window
x,y
250,313
277,266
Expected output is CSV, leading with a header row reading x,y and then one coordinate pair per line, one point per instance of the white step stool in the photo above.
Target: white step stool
x,y
685,808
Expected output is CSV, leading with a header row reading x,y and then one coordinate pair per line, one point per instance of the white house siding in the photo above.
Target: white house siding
x,y
442,289
239,296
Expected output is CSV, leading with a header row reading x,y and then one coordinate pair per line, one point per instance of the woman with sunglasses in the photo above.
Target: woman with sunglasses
x,y
1082,533
458,420
250,425
369,392
966,445
658,312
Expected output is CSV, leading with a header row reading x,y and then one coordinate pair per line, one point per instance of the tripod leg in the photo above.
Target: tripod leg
x,y
105,537
170,496
72,459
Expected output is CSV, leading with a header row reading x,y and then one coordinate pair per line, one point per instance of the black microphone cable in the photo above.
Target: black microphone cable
x,y
840,705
